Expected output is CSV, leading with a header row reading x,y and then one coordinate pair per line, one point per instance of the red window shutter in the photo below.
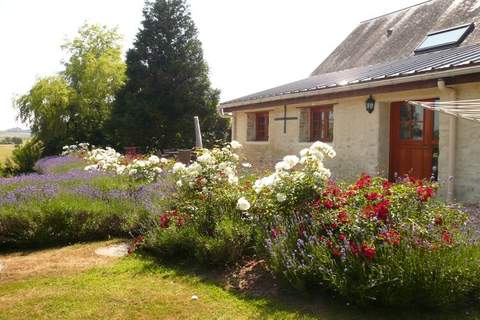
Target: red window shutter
x,y
321,124
261,126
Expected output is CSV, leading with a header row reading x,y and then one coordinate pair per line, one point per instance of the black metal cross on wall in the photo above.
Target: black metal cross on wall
x,y
285,118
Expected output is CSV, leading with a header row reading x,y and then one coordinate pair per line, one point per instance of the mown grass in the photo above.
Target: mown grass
x,y
140,288
5,151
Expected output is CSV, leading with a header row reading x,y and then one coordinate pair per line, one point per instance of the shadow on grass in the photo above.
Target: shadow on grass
x,y
274,297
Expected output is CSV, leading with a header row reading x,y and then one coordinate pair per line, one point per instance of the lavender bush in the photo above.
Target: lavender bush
x,y
62,203
58,164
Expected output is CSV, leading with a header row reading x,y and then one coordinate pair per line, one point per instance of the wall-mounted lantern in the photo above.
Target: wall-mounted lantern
x,y
370,104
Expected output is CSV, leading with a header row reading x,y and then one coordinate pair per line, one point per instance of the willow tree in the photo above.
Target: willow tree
x,y
74,105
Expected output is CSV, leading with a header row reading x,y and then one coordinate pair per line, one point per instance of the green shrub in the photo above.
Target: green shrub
x,y
226,243
23,158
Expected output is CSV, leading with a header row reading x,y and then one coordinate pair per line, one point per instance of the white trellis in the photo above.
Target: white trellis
x,y
465,109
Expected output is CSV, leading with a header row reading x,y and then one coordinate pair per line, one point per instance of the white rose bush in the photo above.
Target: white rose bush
x,y
142,169
295,178
208,217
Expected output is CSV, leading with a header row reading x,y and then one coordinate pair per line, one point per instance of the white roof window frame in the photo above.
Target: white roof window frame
x,y
468,29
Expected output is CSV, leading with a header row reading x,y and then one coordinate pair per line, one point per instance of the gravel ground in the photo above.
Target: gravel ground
x,y
119,250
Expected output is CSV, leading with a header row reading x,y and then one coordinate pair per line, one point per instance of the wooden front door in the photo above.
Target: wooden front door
x,y
413,141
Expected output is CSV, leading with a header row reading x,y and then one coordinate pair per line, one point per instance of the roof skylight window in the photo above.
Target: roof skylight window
x,y
445,38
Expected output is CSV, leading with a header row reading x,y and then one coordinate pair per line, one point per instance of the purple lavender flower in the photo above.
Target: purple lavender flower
x,y
27,193
48,164
50,177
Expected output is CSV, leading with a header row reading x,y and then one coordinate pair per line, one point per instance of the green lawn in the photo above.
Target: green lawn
x,y
140,288
5,151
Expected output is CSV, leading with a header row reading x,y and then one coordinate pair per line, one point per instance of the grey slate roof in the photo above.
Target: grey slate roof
x,y
370,44
423,63
369,54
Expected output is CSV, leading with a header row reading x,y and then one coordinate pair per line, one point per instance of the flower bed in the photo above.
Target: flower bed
x,y
371,241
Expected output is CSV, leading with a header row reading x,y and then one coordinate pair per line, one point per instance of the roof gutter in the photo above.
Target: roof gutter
x,y
370,84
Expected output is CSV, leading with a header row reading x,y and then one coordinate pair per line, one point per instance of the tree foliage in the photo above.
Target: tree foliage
x,y
75,104
167,83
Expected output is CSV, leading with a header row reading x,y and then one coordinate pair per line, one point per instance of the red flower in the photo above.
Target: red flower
x,y
341,237
424,193
350,193
386,184
180,221
364,181
373,196
438,221
316,202
274,233
369,211
447,237
342,217
333,190
381,210
354,248
301,230
164,220
368,252
391,236
335,251
327,203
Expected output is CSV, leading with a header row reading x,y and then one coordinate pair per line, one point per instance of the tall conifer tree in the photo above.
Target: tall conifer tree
x,y
167,83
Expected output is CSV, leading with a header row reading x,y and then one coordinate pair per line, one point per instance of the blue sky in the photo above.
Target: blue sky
x,y
250,45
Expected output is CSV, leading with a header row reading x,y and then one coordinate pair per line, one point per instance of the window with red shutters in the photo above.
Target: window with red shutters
x,y
257,126
261,126
321,124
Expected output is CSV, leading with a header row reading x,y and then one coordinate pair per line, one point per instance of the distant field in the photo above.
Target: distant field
x,y
5,151
23,135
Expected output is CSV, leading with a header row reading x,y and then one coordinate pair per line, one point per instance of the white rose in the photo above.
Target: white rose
x,y
324,148
179,183
282,165
232,179
120,169
304,152
281,197
292,161
154,159
235,144
178,166
243,204
206,158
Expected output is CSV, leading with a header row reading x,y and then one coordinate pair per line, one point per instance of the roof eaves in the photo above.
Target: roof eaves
x,y
355,85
